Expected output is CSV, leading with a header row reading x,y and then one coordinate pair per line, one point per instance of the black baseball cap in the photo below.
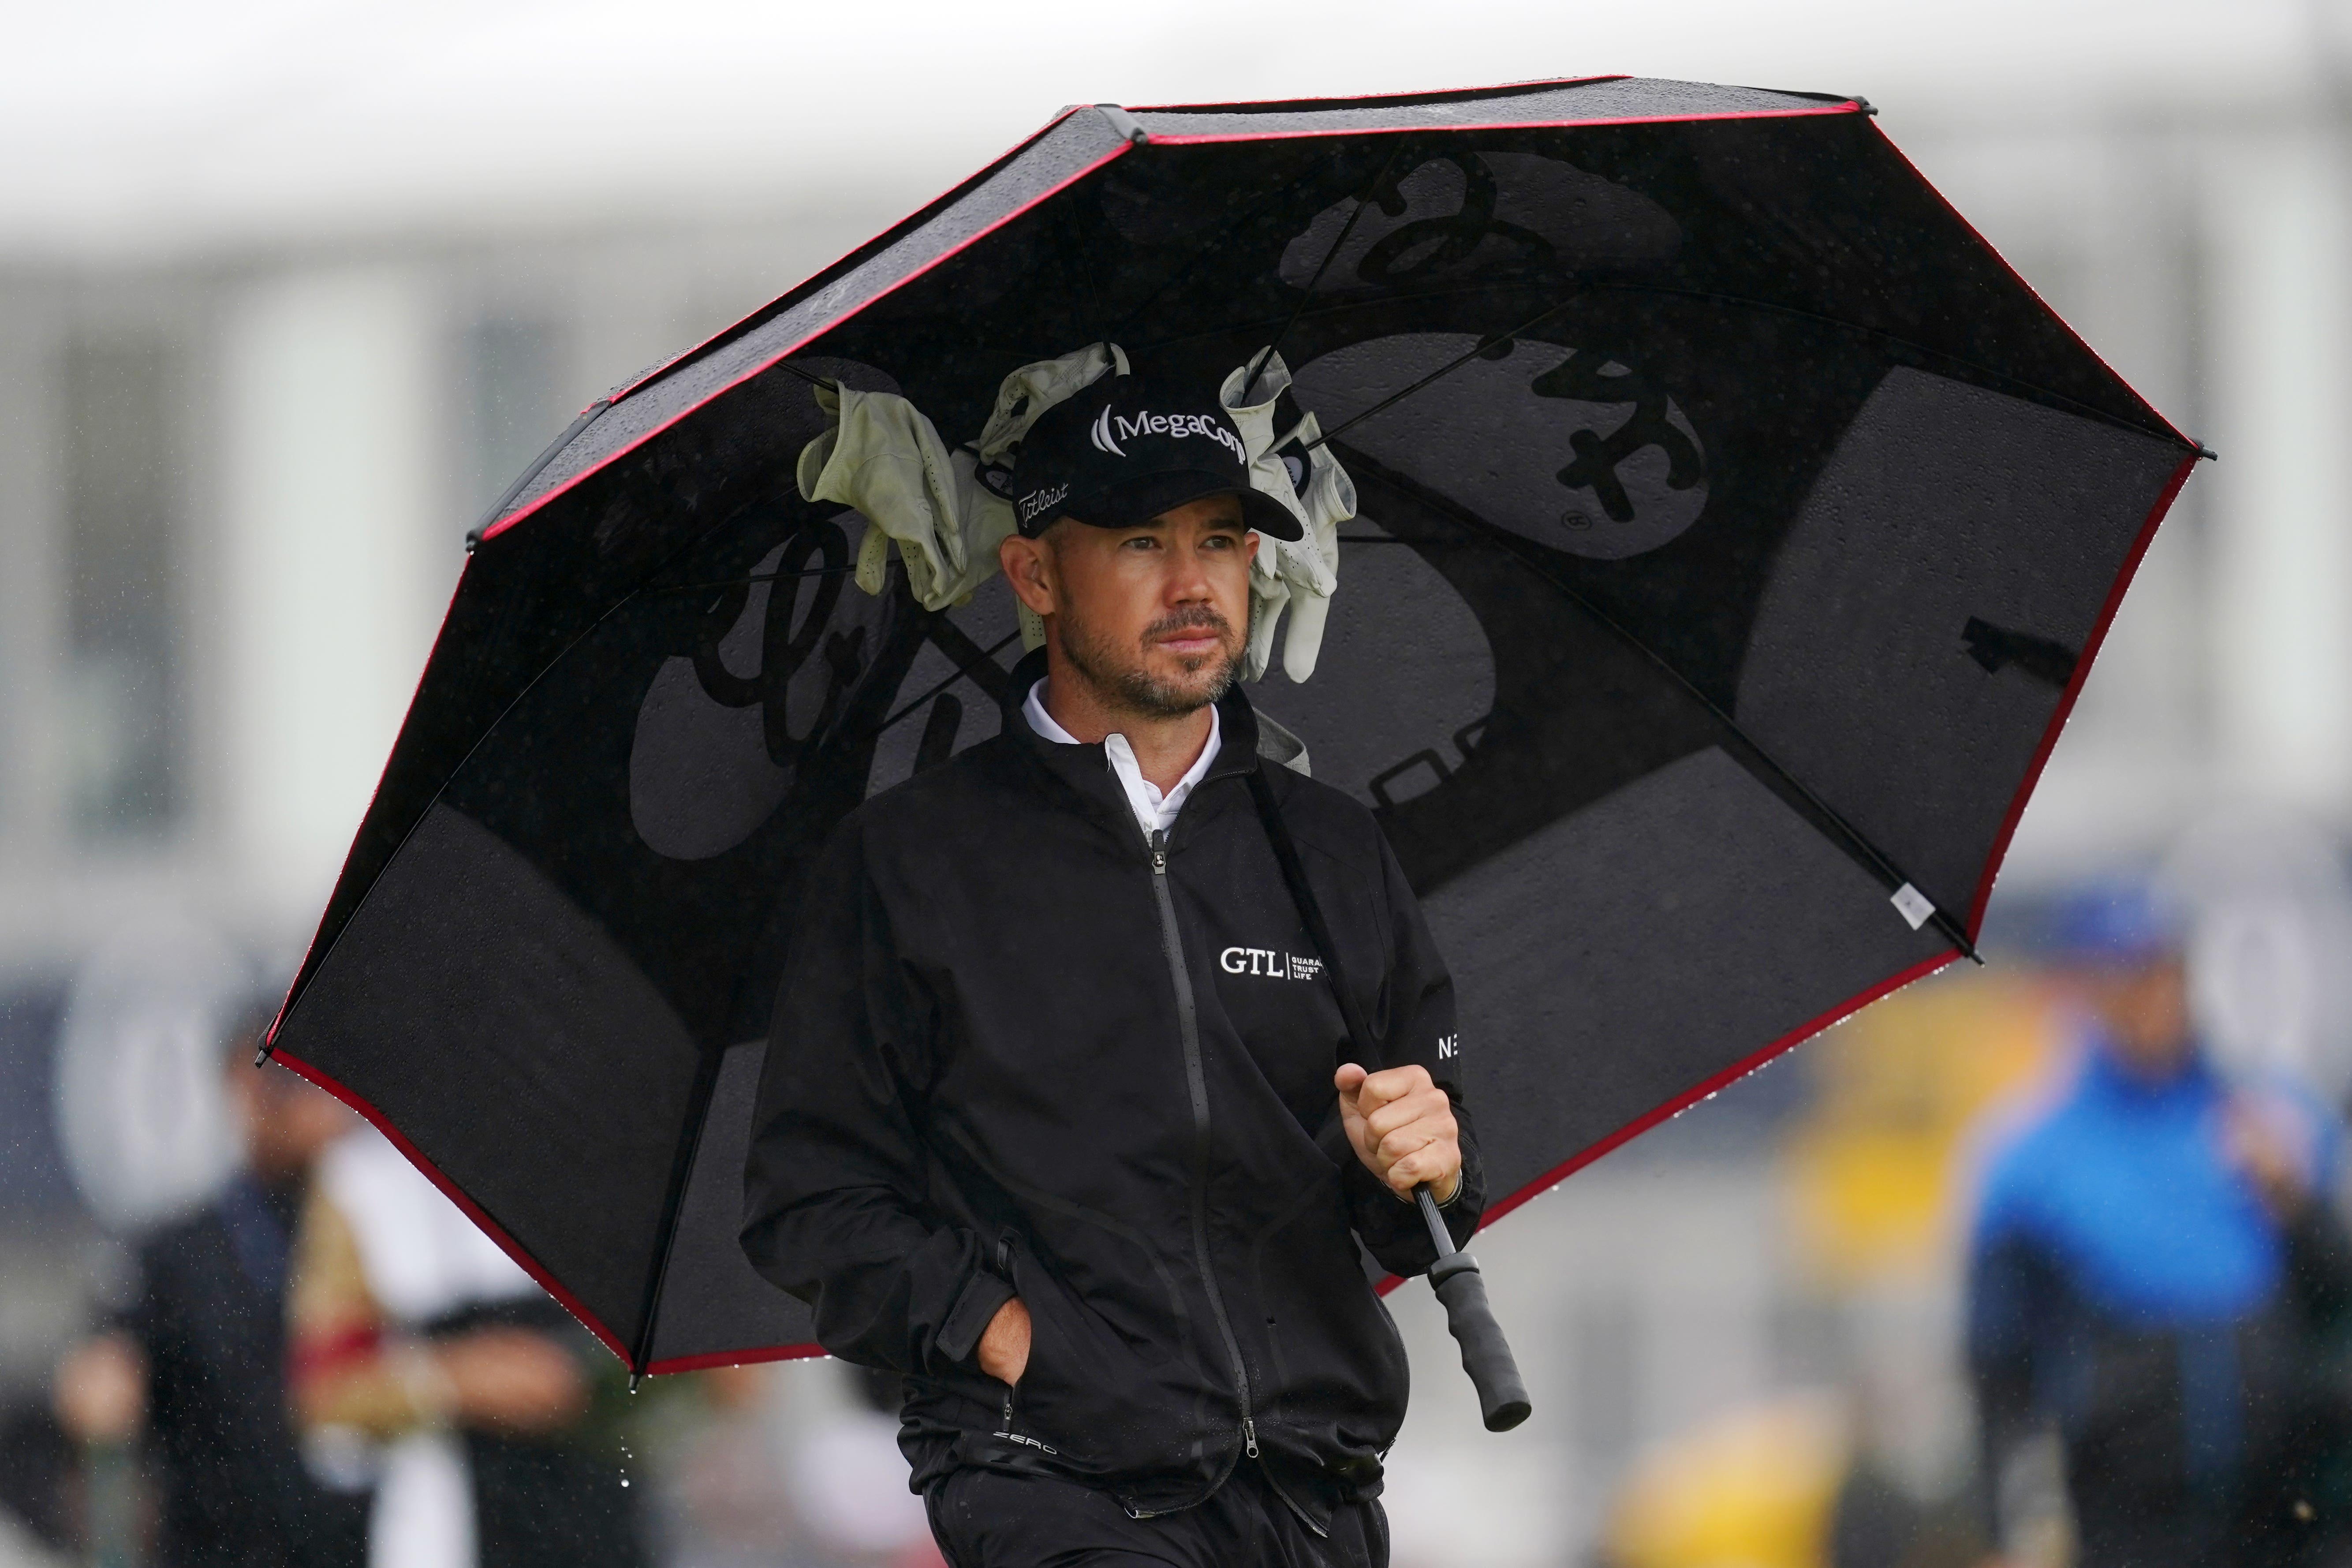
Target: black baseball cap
x,y
1124,450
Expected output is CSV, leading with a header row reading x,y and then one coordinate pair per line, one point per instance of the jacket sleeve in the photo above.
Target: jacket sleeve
x,y
835,1176
1411,1016
2016,1300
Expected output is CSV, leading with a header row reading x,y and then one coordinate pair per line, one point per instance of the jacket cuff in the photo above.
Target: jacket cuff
x,y
973,1310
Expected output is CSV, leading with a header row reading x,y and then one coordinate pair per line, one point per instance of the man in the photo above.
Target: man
x,y
2153,1266
198,1360
1050,1122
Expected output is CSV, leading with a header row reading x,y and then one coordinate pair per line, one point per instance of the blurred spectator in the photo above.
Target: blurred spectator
x,y
2154,1271
421,1355
1754,1486
195,1365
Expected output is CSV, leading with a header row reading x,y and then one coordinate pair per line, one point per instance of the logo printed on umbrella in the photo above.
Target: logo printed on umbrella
x,y
724,723
1591,378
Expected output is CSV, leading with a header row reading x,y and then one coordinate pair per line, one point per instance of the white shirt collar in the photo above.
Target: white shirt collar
x,y
1154,813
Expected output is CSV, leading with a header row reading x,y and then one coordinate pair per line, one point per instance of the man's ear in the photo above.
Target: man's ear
x,y
1029,567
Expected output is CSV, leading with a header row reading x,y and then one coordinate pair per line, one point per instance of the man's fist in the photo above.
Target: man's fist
x,y
1401,1126
1004,1344
511,1380
102,1390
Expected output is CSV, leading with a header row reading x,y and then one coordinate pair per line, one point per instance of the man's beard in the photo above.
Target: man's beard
x,y
1125,681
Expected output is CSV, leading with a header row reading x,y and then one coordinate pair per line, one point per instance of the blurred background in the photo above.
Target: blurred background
x,y
256,253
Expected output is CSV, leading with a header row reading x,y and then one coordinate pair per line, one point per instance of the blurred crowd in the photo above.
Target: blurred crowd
x,y
326,1365
2107,1173
2126,1167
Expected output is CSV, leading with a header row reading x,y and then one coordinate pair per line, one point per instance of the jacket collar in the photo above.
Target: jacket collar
x,y
1086,769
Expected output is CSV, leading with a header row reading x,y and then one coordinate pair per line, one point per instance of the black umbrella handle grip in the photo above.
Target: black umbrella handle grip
x,y
1486,1355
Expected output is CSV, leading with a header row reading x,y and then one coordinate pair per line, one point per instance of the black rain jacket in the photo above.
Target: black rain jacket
x,y
1021,1049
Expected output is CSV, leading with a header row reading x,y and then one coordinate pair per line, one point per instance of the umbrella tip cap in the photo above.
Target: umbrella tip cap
x,y
1123,125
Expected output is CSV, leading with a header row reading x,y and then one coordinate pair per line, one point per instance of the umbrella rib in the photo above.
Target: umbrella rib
x,y
707,1082
962,670
1307,293
808,375
1361,462
571,432
295,998
1392,399
706,1085
1211,248
2048,394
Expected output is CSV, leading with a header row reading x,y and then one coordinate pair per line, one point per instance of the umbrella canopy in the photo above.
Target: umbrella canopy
x,y
1736,530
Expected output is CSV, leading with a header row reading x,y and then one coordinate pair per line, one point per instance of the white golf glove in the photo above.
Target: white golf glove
x,y
1301,574
1023,396
1033,388
885,459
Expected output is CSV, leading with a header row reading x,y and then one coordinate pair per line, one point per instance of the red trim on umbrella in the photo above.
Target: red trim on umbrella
x,y
1849,107
1690,1097
770,363
1542,1184
733,1358
450,1190
301,974
1594,1152
512,518
1994,251
2075,689
740,322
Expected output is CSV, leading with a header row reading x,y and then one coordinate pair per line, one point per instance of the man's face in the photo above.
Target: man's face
x,y
287,1120
2145,1007
1153,617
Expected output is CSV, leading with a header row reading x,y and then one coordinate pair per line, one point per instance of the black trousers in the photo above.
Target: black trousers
x,y
989,1519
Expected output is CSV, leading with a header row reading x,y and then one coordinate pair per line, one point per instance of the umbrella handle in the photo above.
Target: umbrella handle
x,y
1485,1354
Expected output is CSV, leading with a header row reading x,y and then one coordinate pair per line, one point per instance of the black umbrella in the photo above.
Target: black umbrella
x,y
1737,530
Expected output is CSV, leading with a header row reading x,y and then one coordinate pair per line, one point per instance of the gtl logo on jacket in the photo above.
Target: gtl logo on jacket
x,y
1265,962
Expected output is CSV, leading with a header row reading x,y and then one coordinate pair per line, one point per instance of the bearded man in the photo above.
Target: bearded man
x,y
1050,1123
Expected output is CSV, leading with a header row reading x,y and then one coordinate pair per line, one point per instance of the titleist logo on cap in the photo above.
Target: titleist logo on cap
x,y
1036,501
1110,429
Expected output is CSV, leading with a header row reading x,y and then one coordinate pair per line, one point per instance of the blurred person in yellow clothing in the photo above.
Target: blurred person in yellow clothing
x,y
1750,1489
1785,1483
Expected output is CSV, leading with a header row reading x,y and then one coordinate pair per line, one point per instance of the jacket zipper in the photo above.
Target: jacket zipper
x,y
1188,1024
1004,1268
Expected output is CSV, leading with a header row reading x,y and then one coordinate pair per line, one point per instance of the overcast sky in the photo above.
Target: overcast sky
x,y
135,125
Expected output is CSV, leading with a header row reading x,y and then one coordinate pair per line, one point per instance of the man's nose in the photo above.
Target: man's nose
x,y
1187,578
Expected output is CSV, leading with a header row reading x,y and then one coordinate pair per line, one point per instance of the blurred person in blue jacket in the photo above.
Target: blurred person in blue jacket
x,y
2154,1269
